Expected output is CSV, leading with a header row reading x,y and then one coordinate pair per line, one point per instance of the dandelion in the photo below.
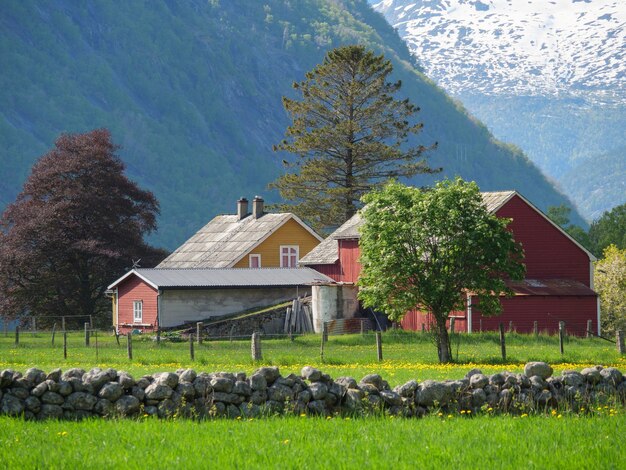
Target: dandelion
x,y
553,412
286,441
440,414
329,417
560,416
524,415
449,416
238,418
302,415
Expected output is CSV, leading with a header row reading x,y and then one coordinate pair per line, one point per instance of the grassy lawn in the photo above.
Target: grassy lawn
x,y
434,442
406,355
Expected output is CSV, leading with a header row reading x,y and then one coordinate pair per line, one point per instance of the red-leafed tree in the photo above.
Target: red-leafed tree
x,y
78,223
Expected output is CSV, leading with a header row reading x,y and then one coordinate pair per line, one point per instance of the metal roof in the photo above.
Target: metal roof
x,y
543,287
227,277
327,252
225,240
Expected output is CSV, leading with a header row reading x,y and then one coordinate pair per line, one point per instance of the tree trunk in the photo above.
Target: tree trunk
x,y
444,348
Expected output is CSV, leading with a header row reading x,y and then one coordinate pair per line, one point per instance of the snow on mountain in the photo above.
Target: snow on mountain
x,y
518,47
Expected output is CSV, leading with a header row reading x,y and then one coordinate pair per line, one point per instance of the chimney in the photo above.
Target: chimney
x,y
242,208
257,207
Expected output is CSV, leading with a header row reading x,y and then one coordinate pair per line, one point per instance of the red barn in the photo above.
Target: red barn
x,y
559,273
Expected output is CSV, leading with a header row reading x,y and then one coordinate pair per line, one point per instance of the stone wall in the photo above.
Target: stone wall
x,y
77,394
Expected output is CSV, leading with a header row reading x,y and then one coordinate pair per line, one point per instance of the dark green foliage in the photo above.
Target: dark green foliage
x,y
192,92
348,132
610,229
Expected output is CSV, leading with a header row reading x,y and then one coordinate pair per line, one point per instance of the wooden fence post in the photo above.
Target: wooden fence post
x,y
452,320
232,330
95,335
480,325
362,326
91,323
322,347
199,332
502,342
589,328
64,344
17,335
256,347
619,340
290,333
379,346
6,327
117,335
54,330
511,326
536,328
191,351
325,332
561,335
158,335
63,323
129,345
423,327
87,334
33,325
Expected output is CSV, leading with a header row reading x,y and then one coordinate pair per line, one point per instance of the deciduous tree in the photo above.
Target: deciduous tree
x,y
427,249
348,133
610,284
609,229
78,224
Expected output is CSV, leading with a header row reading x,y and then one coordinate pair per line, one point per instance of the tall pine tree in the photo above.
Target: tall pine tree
x,y
349,134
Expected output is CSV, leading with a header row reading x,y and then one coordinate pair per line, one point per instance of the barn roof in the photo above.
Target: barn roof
x,y
225,240
327,252
226,277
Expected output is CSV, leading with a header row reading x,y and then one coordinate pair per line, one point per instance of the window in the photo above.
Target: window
x,y
289,256
255,261
138,311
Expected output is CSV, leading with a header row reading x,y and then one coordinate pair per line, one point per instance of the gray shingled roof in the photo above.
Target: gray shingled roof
x,y
327,252
224,240
228,277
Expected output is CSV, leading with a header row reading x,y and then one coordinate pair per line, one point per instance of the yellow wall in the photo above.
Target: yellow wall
x,y
291,233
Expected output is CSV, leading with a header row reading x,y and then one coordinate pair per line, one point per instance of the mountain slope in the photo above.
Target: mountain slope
x,y
547,76
192,91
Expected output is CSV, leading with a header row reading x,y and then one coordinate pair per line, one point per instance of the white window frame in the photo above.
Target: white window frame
x,y
289,248
255,256
137,308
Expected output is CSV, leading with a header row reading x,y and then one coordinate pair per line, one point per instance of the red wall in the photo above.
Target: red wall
x,y
347,269
549,254
523,311
131,289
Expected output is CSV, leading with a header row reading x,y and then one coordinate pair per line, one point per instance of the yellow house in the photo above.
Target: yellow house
x,y
246,240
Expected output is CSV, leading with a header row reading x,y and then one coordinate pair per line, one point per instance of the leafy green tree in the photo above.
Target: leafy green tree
x,y
560,215
427,249
609,229
78,224
610,284
348,133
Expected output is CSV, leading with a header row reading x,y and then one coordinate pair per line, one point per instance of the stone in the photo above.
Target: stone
x,y
241,387
270,374
52,398
125,380
49,411
592,375
168,379
6,378
129,405
157,391
138,392
186,390
74,373
433,393
369,389
240,376
258,382
473,372
353,398
318,390
278,392
111,391
543,398
55,375
97,378
317,407
79,386
373,379
39,389
479,397
82,401
347,382
304,396
311,374
538,383
166,408
258,397
35,376
144,381
12,406
478,381
33,404
391,398
222,384
542,369
612,376
19,392
151,410
202,385
187,375
572,378
497,379
228,398
103,407
407,390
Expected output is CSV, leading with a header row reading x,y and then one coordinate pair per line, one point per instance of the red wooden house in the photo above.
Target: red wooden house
x,y
559,273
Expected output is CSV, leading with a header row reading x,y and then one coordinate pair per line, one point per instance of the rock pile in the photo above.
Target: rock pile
x,y
77,394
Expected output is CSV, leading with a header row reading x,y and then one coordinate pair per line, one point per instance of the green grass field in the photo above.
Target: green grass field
x,y
567,441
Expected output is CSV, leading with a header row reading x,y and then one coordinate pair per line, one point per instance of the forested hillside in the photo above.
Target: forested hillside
x,y
192,92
